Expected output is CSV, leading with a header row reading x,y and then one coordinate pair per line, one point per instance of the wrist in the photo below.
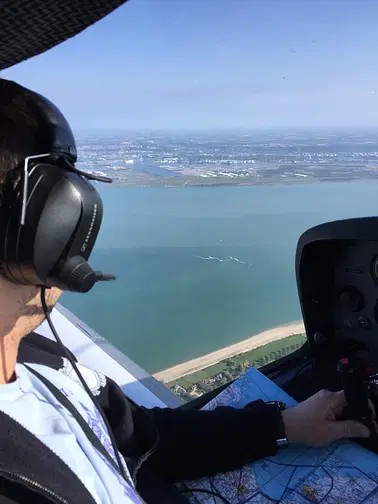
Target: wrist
x,y
288,425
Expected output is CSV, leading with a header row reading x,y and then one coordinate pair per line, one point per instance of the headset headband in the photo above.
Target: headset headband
x,y
59,136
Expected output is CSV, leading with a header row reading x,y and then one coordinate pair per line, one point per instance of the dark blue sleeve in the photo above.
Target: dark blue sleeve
x,y
193,443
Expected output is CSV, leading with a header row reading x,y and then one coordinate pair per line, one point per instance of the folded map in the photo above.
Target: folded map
x,y
342,472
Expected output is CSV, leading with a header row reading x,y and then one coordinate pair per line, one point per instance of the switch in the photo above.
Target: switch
x,y
363,322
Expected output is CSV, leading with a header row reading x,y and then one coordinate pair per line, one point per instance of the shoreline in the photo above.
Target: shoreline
x,y
122,184
258,340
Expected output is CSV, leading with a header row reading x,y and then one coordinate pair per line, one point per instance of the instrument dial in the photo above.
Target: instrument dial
x,y
351,299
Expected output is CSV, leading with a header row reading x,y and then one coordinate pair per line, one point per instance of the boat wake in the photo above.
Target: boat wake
x,y
213,258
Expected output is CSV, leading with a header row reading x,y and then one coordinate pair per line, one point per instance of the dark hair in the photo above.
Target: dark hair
x,y
19,133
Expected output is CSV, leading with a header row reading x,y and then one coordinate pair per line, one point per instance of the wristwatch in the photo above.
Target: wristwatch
x,y
281,438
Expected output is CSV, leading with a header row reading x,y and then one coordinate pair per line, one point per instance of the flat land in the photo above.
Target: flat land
x,y
241,347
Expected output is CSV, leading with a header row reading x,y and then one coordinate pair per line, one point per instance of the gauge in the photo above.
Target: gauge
x,y
351,299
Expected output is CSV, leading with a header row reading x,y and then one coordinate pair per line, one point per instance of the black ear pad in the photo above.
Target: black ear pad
x,y
63,217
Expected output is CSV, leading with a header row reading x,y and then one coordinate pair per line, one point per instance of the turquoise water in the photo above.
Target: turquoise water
x,y
201,268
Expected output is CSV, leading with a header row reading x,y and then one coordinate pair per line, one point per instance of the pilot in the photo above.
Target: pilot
x,y
46,452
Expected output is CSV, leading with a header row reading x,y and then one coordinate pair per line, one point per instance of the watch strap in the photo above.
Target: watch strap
x,y
280,434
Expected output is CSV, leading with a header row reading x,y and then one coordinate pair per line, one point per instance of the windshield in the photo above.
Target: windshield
x,y
229,128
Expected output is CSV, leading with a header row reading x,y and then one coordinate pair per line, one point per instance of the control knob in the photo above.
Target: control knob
x,y
351,299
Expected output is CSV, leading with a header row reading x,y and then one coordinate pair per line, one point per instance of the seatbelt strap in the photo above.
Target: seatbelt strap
x,y
64,401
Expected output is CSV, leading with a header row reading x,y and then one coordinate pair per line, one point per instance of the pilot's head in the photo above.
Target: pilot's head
x,y
20,136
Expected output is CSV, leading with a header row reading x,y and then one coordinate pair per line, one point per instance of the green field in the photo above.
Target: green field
x,y
234,366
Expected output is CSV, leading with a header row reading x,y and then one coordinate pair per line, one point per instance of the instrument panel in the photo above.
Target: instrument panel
x,y
337,278
355,293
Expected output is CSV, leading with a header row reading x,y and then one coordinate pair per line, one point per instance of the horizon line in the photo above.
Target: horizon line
x,y
230,130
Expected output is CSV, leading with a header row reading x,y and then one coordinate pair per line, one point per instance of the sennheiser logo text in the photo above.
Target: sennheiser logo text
x,y
85,244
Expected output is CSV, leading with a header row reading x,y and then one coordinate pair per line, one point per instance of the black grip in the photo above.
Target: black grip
x,y
355,391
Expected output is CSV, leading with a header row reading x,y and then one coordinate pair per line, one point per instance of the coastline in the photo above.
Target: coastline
x,y
166,183
199,363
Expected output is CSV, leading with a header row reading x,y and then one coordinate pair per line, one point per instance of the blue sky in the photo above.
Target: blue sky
x,y
198,64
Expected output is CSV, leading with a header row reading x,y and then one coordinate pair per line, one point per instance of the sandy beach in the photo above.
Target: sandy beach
x,y
246,345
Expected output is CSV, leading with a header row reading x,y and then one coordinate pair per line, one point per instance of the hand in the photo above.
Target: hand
x,y
314,421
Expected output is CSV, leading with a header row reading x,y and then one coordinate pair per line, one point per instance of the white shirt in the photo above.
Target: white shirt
x,y
33,406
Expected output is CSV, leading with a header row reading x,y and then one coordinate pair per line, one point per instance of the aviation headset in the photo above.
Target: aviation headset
x,y
50,222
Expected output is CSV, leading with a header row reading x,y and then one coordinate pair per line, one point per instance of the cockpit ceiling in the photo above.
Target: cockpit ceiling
x,y
31,27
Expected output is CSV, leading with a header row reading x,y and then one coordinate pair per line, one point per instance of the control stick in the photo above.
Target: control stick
x,y
357,381
354,382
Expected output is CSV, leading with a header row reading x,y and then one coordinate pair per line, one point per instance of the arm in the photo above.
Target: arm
x,y
193,444
196,443
188,444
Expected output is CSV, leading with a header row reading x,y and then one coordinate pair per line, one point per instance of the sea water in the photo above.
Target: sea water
x,y
202,268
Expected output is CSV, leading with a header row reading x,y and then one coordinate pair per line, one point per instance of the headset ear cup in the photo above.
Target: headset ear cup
x,y
62,220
